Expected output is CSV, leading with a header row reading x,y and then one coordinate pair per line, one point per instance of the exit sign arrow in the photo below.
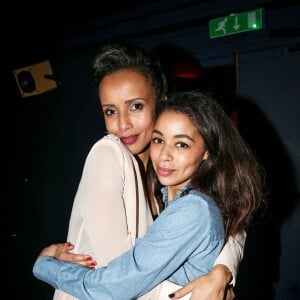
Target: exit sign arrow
x,y
236,23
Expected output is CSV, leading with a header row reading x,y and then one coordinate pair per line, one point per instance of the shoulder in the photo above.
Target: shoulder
x,y
194,212
197,198
202,211
109,152
108,159
198,204
109,145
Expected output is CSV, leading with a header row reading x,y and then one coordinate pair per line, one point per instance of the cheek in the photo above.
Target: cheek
x,y
194,165
110,125
188,164
148,116
154,153
147,121
145,127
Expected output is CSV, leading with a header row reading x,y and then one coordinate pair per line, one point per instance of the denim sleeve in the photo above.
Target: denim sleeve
x,y
68,277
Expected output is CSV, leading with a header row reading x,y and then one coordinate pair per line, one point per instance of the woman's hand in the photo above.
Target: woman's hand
x,y
212,286
61,251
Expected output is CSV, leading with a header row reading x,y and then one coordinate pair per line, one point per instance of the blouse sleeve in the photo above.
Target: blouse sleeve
x,y
100,204
232,254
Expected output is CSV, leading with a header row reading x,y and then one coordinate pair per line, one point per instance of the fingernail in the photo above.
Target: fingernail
x,y
89,258
171,295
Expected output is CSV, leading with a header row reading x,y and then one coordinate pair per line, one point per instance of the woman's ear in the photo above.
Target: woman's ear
x,y
205,156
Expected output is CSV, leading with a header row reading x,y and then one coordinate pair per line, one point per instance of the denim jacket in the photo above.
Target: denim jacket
x,y
182,244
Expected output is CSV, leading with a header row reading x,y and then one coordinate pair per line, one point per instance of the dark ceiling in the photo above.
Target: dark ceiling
x,y
25,24
31,18
30,25
51,16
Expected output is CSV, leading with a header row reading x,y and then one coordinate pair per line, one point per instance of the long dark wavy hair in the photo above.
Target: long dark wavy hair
x,y
231,175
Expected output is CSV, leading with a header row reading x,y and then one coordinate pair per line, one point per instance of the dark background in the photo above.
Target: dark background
x,y
47,135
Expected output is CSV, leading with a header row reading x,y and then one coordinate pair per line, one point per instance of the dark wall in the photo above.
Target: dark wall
x,y
54,131
269,119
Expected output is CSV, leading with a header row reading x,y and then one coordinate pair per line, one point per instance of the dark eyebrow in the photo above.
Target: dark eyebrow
x,y
134,99
126,102
157,131
178,136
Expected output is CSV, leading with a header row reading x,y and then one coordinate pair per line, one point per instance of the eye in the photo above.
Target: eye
x,y
137,106
157,140
109,111
182,145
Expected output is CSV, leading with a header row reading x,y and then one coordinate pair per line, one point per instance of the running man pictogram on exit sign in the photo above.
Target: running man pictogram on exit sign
x,y
236,23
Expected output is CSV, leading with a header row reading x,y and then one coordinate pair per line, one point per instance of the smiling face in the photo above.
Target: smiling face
x,y
177,150
128,103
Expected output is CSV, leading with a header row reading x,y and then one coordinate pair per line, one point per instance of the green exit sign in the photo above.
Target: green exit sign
x,y
236,23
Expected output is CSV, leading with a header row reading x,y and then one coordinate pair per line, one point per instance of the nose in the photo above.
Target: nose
x,y
165,153
124,122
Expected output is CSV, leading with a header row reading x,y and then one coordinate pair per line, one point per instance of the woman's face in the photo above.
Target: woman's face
x,y
177,149
128,103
